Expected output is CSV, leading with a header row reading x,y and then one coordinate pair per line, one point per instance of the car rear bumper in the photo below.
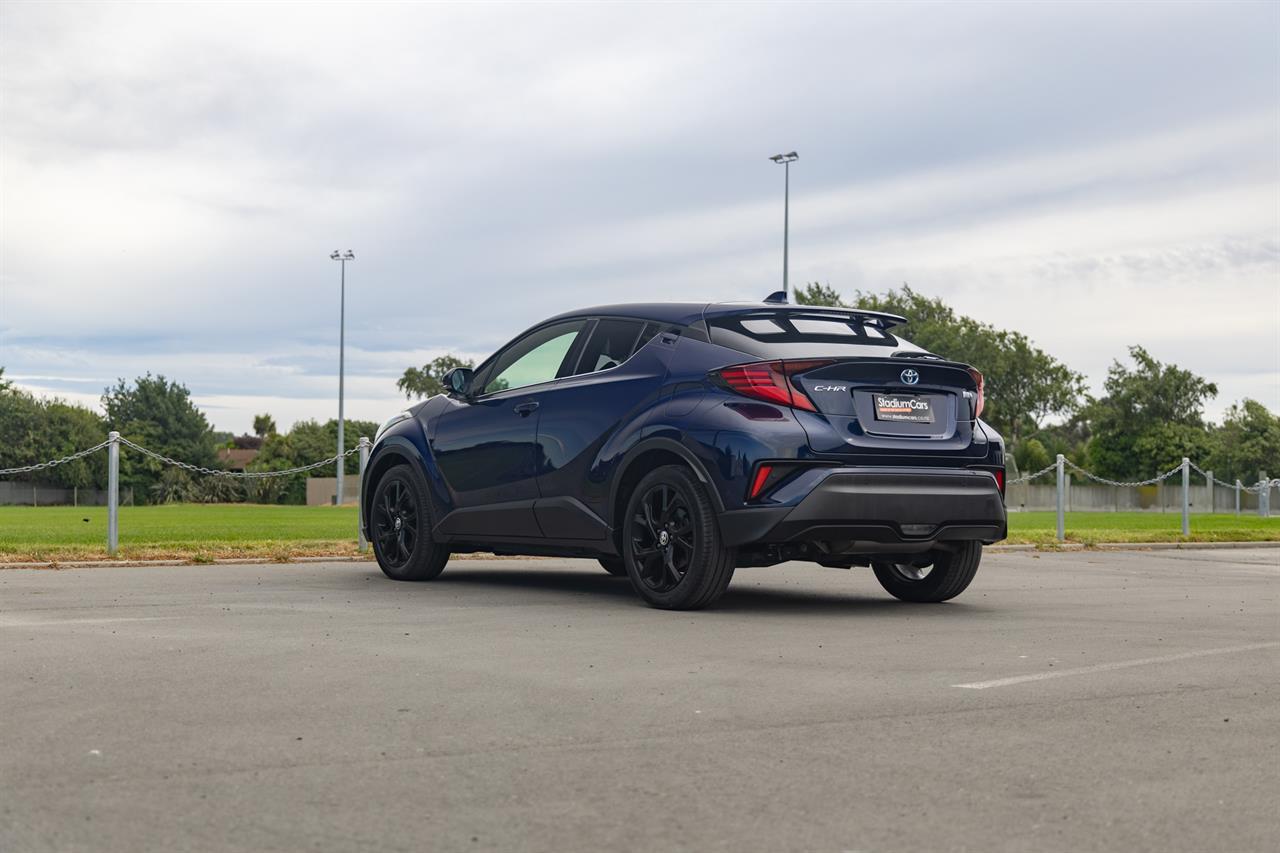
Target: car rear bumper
x,y
879,505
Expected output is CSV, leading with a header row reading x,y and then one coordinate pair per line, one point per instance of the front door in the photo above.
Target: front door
x,y
486,445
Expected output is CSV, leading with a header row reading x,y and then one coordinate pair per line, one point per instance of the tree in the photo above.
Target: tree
x,y
1150,417
159,415
1248,442
5,384
1024,384
264,425
425,381
307,442
37,430
814,293
1031,456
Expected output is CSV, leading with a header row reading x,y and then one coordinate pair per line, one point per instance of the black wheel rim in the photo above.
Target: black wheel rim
x,y
395,521
910,572
662,538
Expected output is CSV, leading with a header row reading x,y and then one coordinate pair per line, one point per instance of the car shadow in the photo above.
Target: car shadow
x,y
739,598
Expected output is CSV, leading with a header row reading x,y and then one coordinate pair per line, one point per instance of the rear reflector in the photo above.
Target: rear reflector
x,y
758,481
1000,479
770,381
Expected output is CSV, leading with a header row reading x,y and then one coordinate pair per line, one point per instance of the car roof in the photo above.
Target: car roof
x,y
684,313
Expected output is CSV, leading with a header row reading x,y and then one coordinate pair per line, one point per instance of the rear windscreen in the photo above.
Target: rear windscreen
x,y
784,335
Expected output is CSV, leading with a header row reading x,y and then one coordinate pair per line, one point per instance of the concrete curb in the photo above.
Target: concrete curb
x,y
251,561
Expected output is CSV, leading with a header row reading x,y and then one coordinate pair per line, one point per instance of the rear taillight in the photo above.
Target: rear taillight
x,y
999,472
978,380
770,381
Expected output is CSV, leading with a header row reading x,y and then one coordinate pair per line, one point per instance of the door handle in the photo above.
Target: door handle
x,y
526,409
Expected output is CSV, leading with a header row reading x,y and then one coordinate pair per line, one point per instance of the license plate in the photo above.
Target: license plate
x,y
904,407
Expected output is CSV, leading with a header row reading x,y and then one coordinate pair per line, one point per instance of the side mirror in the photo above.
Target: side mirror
x,y
458,381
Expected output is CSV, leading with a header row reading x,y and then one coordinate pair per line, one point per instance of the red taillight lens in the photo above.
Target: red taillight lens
x,y
758,481
999,472
978,380
770,381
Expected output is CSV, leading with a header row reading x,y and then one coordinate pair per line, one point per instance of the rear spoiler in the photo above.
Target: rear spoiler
x,y
875,318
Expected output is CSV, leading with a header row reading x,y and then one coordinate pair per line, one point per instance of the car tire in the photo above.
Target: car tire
x,y
950,574
400,527
615,566
671,542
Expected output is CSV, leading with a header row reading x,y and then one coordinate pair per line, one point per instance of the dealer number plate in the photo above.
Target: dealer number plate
x,y
904,407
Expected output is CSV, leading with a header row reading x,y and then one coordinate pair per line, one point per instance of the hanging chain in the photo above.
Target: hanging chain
x,y
53,463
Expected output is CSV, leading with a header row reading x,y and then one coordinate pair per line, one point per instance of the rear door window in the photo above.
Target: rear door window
x,y
611,343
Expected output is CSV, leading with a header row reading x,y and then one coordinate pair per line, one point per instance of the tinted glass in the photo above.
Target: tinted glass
x,y
799,336
537,357
611,343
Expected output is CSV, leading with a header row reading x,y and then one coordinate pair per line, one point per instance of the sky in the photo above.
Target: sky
x,y
173,178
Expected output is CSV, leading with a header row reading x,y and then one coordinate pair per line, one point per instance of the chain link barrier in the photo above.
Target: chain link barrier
x,y
1028,477
242,475
1073,466
53,463
1256,488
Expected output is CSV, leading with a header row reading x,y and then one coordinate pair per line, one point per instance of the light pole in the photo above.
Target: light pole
x,y
786,160
342,258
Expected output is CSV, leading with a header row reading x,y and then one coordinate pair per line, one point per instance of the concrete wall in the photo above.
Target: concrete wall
x,y
16,493
320,490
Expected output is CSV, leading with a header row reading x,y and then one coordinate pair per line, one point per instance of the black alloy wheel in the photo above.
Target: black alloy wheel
x,y
671,542
938,576
395,523
400,524
662,538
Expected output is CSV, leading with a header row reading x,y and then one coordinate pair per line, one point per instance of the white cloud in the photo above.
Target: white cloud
x,y
173,176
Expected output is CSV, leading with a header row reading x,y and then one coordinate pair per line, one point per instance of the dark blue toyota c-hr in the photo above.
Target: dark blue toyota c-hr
x,y
677,442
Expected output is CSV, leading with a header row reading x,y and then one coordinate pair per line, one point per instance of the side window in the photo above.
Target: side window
x,y
647,335
611,343
537,357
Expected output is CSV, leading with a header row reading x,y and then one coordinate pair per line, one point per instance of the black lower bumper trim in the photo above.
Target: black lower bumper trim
x,y
880,505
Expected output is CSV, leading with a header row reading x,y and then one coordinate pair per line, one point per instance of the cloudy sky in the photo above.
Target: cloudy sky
x,y
173,177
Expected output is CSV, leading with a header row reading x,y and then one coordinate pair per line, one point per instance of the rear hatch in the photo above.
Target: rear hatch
x,y
873,394
898,406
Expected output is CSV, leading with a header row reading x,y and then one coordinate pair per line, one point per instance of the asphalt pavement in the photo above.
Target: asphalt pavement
x,y
1066,702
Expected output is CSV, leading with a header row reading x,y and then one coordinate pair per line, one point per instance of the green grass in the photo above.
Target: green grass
x,y
198,531
205,532
1092,527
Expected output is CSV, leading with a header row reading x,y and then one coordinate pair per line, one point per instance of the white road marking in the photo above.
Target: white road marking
x,y
1107,667
10,622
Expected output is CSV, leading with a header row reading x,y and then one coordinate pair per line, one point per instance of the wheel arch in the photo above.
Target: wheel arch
x,y
647,455
391,451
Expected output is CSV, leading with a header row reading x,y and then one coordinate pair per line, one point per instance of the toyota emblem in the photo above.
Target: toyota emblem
x,y
910,377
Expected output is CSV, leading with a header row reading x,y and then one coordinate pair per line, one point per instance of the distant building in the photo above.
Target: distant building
x,y
236,458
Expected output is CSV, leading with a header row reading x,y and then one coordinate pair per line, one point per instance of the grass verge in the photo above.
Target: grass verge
x,y
203,533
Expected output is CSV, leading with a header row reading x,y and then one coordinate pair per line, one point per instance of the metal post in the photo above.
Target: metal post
x,y
1264,495
1062,488
786,226
342,346
362,544
1186,496
1208,478
1238,495
113,493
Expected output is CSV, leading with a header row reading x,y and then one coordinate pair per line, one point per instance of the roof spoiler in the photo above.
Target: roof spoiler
x,y
875,318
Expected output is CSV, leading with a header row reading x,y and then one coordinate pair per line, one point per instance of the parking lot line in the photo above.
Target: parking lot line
x,y
11,622
1106,667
